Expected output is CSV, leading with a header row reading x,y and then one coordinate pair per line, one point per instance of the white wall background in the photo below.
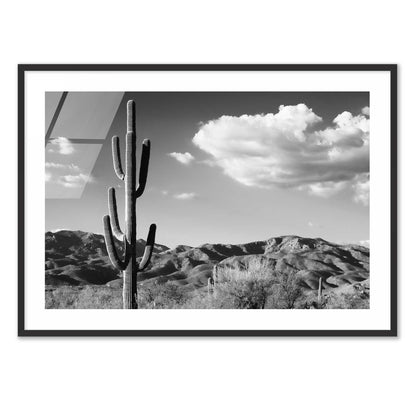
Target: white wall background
x,y
207,376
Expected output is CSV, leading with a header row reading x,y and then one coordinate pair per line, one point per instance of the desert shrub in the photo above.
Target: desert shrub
x,y
287,294
99,297
161,296
347,301
83,297
154,295
60,298
355,296
203,300
309,300
248,288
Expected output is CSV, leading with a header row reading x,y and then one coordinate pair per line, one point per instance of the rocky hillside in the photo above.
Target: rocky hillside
x,y
80,258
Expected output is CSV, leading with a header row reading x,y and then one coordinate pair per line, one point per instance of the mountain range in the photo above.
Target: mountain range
x,y
80,258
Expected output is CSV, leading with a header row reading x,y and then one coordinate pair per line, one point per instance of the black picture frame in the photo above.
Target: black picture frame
x,y
23,69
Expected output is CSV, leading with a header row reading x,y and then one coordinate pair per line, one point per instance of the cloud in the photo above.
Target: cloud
x,y
362,189
61,145
185,195
348,122
61,166
78,180
184,158
324,189
74,181
366,111
365,243
67,175
287,149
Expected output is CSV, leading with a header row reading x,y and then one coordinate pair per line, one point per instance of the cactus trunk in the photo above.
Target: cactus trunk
x,y
129,275
111,225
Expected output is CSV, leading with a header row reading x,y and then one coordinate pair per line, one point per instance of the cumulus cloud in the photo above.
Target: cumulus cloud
x,y
366,111
61,145
184,158
287,149
348,122
185,195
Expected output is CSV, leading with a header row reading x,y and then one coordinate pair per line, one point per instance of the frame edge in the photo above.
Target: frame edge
x,y
22,332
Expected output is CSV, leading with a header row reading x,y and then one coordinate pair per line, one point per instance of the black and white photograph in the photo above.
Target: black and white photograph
x,y
222,200
191,196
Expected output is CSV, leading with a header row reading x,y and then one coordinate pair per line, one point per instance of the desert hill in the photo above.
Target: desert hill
x,y
80,258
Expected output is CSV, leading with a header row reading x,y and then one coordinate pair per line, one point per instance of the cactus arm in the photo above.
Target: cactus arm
x,y
144,167
131,116
111,247
112,206
118,168
148,250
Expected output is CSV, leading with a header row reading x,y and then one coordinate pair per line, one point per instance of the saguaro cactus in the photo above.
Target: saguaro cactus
x,y
215,273
320,291
210,285
112,229
212,280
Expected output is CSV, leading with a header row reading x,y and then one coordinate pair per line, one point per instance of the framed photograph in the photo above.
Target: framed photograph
x,y
207,200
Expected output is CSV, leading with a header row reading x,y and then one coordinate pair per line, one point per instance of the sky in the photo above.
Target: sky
x,y
225,167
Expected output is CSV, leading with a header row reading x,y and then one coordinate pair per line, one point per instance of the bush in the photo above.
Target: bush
x,y
245,289
355,296
160,296
347,301
287,294
202,300
83,297
256,286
